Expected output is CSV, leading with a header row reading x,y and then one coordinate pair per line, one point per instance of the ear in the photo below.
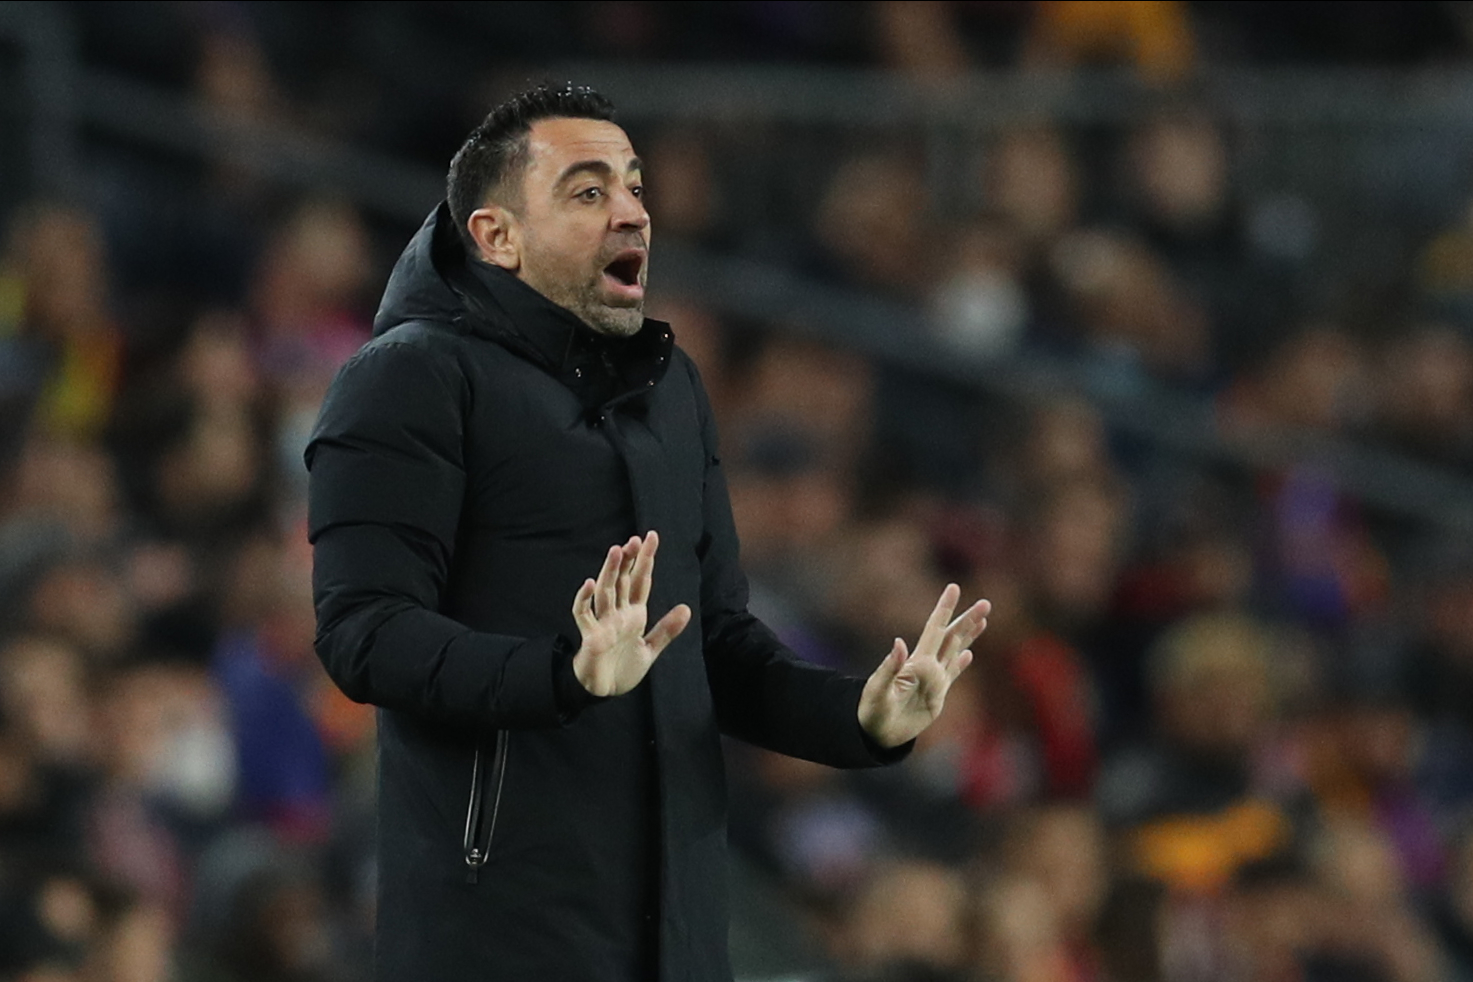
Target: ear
x,y
497,236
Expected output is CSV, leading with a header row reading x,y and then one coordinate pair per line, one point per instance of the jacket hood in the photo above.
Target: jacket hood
x,y
418,288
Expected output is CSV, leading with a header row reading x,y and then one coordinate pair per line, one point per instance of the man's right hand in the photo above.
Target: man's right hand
x,y
611,613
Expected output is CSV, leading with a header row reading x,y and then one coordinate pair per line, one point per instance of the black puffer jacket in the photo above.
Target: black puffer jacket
x,y
471,466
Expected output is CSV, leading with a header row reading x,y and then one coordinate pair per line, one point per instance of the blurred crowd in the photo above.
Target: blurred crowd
x,y
1220,728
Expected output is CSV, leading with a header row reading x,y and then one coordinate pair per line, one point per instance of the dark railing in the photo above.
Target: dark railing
x,y
49,69
988,101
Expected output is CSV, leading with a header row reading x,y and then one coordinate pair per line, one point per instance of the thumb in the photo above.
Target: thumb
x,y
668,628
894,661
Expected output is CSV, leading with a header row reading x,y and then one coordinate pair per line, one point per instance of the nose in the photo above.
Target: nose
x,y
629,213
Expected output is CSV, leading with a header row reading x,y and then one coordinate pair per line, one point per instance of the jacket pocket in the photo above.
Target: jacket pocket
x,y
476,844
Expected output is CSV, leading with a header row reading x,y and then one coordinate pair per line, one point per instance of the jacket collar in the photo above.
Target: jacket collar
x,y
598,368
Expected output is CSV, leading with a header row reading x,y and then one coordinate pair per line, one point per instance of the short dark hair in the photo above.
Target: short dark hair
x,y
497,149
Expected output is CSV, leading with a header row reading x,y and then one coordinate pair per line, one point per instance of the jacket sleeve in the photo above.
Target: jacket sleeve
x,y
762,691
386,485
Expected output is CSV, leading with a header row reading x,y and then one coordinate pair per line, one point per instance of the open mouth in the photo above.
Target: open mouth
x,y
624,271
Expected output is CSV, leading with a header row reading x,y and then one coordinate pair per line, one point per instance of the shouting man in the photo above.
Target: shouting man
x,y
524,555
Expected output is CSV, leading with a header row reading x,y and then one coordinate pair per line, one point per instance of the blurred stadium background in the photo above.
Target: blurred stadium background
x,y
1151,321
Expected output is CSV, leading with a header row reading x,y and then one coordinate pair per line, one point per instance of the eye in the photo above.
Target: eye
x,y
637,190
591,194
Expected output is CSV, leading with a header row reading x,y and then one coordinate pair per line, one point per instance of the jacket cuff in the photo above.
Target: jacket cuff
x,y
567,691
884,755
874,754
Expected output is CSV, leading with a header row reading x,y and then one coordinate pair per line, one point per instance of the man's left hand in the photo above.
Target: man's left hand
x,y
906,693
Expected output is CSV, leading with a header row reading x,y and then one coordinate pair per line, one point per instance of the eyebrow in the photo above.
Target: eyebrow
x,y
599,167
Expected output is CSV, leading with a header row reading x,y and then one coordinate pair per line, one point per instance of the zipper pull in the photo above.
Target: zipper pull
x,y
473,862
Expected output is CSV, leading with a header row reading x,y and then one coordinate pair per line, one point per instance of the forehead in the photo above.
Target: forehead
x,y
553,144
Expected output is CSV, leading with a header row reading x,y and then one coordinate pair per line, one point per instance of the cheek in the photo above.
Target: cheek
x,y
564,247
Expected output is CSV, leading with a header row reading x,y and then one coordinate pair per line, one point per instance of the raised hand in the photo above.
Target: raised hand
x,y
611,613
906,693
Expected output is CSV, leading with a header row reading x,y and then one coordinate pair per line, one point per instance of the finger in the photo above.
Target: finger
x,y
583,607
964,630
626,569
603,588
644,569
958,665
668,628
935,629
981,607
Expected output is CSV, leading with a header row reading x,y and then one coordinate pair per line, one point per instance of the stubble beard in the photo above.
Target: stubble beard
x,y
618,322
584,299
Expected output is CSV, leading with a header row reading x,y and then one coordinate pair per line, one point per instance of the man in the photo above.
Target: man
x,y
552,801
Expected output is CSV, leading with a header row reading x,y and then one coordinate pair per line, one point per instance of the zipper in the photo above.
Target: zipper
x,y
476,850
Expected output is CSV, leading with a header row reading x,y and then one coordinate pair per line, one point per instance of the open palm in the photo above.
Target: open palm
x,y
905,693
611,612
